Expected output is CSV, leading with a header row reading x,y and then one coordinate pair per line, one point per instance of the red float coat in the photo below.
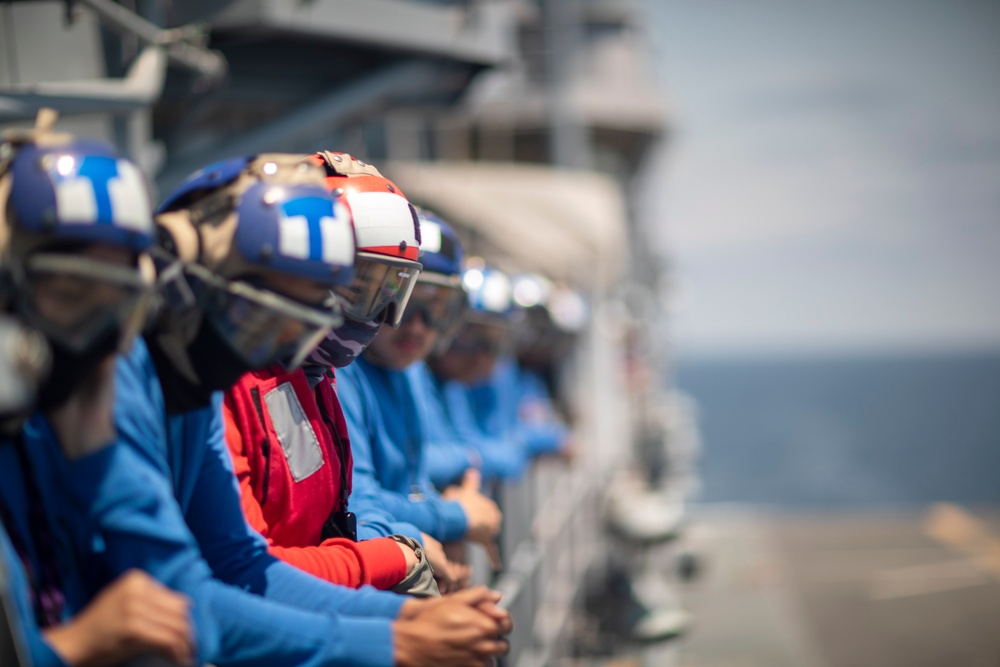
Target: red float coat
x,y
292,476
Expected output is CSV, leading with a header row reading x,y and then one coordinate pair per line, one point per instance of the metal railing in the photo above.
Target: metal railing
x,y
552,535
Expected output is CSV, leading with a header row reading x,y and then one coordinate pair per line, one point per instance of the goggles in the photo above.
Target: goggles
x,y
260,325
442,307
75,300
379,282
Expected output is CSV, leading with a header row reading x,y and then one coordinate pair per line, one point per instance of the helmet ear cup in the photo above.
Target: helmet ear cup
x,y
178,236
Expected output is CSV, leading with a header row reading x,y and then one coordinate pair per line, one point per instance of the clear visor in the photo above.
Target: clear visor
x,y
74,300
260,325
441,306
379,282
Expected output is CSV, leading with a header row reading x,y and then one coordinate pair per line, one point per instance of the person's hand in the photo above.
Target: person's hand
x,y
481,513
450,576
414,607
459,630
455,552
85,422
135,614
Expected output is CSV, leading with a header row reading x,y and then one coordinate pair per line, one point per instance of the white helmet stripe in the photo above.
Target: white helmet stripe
x,y
338,238
130,199
430,236
335,242
293,236
75,201
381,219
131,208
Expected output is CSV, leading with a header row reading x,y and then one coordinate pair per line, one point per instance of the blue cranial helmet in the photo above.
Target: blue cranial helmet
x,y
440,250
73,207
275,215
491,292
241,228
439,297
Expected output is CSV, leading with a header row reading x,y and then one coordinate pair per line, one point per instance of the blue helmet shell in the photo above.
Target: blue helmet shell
x,y
299,230
440,249
81,191
490,291
213,176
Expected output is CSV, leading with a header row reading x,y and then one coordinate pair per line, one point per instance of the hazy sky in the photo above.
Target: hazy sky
x,y
834,180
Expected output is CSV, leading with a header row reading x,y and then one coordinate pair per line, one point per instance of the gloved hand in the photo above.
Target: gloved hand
x,y
419,581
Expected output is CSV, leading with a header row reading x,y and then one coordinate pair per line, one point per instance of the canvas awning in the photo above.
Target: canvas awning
x,y
568,225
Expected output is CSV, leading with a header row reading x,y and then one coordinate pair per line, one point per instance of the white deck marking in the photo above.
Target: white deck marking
x,y
956,529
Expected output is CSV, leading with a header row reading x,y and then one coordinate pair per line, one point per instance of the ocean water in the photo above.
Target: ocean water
x,y
848,431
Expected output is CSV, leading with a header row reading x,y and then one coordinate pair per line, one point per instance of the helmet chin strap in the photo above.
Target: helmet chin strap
x,y
173,333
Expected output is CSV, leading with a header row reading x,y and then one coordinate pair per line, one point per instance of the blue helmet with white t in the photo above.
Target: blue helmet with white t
x,y
439,297
297,230
281,220
236,226
79,219
80,191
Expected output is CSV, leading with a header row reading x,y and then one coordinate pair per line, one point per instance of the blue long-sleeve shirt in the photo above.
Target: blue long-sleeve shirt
x,y
267,609
98,509
26,633
446,455
197,462
503,454
115,511
118,512
112,512
386,444
496,405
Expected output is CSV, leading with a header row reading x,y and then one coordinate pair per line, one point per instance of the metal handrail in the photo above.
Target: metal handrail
x,y
551,542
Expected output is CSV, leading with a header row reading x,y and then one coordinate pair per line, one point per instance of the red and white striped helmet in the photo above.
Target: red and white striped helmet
x,y
387,230
385,222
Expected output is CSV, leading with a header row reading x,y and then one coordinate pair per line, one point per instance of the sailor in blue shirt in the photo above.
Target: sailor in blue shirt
x,y
497,403
454,441
447,456
78,222
388,471
476,392
471,358
382,416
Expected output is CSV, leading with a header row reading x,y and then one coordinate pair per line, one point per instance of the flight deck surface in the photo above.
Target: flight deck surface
x,y
917,587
